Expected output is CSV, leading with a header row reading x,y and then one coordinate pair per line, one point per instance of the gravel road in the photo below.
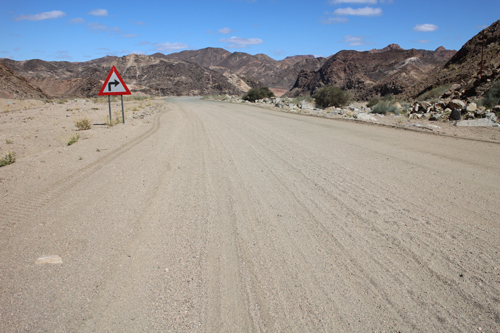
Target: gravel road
x,y
230,218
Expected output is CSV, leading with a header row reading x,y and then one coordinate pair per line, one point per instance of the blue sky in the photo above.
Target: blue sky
x,y
86,30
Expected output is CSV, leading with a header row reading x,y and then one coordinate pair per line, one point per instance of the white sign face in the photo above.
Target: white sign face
x,y
114,85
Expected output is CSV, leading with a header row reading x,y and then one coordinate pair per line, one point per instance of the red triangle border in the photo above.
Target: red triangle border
x,y
126,92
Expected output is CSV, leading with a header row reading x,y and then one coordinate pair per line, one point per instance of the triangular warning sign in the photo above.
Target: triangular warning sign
x,y
114,85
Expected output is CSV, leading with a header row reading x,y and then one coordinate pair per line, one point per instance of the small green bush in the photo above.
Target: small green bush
x,y
9,158
73,139
306,98
433,93
492,96
83,124
374,101
388,98
331,96
257,93
385,107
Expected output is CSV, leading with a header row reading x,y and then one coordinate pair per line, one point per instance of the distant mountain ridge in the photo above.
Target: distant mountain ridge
x,y
218,71
277,74
146,74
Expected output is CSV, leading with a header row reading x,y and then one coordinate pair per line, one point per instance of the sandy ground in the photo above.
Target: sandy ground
x,y
207,216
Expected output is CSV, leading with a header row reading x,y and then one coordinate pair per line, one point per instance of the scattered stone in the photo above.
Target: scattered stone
x,y
425,105
435,117
471,107
456,104
419,126
484,122
304,105
455,115
365,117
491,116
53,259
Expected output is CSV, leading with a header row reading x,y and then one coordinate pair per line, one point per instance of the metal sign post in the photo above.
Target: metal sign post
x,y
114,85
109,104
123,113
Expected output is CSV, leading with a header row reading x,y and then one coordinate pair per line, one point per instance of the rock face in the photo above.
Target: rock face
x,y
465,66
13,85
280,75
368,74
147,74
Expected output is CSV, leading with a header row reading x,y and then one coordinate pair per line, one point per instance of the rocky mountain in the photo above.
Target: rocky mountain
x,y
13,85
464,69
147,74
278,75
371,73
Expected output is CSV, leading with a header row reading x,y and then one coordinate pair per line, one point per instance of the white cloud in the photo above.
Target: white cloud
x,y
335,20
372,2
130,36
355,40
367,11
423,41
41,16
425,27
170,47
98,27
225,31
484,26
77,20
99,12
239,42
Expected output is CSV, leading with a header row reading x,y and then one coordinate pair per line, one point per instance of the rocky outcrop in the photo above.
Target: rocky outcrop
x,y
279,75
464,68
145,74
13,85
367,74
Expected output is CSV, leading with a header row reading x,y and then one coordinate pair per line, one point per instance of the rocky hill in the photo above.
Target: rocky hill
x,y
13,85
464,68
278,75
146,74
371,73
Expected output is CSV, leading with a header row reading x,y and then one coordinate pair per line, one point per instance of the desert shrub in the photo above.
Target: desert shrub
x,y
374,101
492,96
9,158
135,98
388,98
331,96
257,93
83,124
385,107
306,98
433,93
114,121
73,139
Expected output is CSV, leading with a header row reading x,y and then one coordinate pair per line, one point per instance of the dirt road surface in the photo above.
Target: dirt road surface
x,y
230,218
